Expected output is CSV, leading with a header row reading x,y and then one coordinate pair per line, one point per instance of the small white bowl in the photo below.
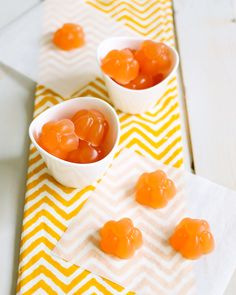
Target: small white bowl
x,y
73,174
129,100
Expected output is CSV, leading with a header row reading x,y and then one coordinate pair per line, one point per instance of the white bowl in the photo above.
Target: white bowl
x,y
129,100
73,174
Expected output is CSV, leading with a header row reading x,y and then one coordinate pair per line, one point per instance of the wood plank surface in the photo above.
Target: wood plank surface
x,y
11,10
206,32
206,36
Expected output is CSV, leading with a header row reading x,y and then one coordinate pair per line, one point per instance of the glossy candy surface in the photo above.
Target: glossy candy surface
x,y
85,153
142,81
154,58
120,238
192,238
91,126
79,140
158,78
139,68
120,65
58,138
69,36
154,189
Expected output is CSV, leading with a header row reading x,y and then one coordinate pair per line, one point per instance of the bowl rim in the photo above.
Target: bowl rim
x,y
174,51
51,109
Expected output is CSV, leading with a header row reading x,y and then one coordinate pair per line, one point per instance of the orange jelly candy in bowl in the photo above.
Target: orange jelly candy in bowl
x,y
154,58
47,139
85,153
142,81
192,238
69,36
120,238
136,71
91,126
58,138
120,65
154,189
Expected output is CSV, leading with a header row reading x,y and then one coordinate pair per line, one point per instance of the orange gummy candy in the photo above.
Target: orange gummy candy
x,y
192,238
158,78
142,81
69,36
120,65
85,153
154,189
154,58
120,238
58,138
91,126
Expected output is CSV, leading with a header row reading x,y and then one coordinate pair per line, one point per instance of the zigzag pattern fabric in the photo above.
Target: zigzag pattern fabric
x,y
50,207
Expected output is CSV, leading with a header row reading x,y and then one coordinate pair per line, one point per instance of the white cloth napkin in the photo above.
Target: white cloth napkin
x,y
203,199
217,204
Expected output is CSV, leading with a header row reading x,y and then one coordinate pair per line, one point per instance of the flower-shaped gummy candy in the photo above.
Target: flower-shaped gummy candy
x,y
154,58
154,189
142,81
120,238
85,153
69,36
58,138
120,65
91,126
192,238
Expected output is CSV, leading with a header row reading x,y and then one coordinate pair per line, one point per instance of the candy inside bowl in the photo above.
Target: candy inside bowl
x,y
134,101
77,175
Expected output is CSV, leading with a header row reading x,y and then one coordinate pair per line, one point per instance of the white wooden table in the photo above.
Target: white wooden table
x,y
206,37
206,31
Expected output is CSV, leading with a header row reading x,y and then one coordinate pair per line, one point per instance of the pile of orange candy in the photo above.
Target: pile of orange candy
x,y
79,139
141,68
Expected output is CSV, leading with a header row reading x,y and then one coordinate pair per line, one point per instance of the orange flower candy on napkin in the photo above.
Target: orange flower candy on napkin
x,y
120,238
69,36
192,238
154,189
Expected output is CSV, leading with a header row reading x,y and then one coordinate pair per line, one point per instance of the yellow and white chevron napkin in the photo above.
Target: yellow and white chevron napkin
x,y
49,207
156,268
